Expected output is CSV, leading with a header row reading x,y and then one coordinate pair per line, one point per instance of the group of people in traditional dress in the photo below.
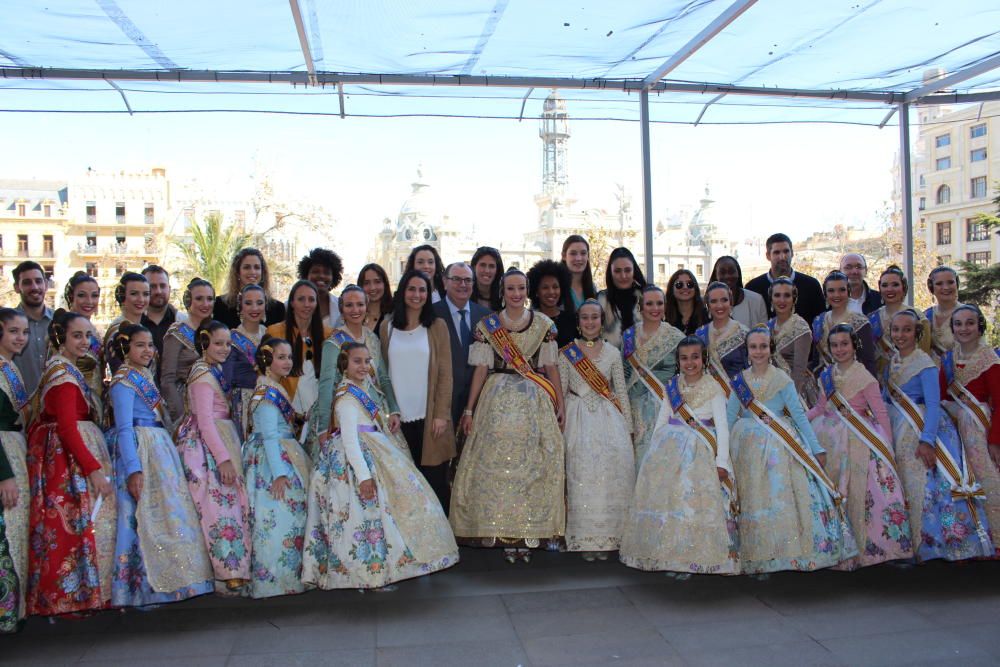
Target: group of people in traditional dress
x,y
252,447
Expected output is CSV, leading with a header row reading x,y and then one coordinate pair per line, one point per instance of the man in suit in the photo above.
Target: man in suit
x,y
863,299
811,301
462,316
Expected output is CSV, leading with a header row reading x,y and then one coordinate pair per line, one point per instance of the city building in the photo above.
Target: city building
x,y
682,240
956,165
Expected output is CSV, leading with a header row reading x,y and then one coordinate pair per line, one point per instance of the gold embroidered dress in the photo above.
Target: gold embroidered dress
x,y
600,465
793,345
510,485
14,416
658,354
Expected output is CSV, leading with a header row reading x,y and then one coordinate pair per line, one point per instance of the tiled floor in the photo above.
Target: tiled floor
x,y
559,610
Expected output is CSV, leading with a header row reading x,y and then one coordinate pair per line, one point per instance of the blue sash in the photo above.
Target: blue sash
x,y
184,332
95,345
216,372
244,345
702,333
628,342
277,399
929,314
817,327
17,387
138,382
742,389
339,336
826,381
674,393
771,324
876,322
948,366
366,401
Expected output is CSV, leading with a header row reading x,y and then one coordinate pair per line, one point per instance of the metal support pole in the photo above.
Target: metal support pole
x,y
906,194
647,185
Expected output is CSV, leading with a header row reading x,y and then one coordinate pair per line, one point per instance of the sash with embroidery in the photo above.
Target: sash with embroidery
x,y
53,371
141,385
244,345
590,373
647,377
940,351
364,399
268,394
184,333
18,392
702,432
770,421
714,367
501,341
859,426
340,337
216,372
963,483
962,395
878,333
817,327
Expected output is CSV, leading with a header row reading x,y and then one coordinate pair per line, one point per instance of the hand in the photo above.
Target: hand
x,y
723,474
99,482
324,437
278,487
995,454
822,459
134,485
393,423
926,454
466,425
438,427
8,493
561,417
367,489
227,473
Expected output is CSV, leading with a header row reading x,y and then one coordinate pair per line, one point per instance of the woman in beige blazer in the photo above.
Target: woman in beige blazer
x,y
417,349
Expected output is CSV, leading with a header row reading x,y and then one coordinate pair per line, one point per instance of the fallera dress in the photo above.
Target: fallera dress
x,y
862,327
789,519
649,365
71,550
600,463
972,404
160,554
947,521
354,543
509,489
682,518
793,345
278,526
881,322
726,351
863,467
206,437
241,374
14,401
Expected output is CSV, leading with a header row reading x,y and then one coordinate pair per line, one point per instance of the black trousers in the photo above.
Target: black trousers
x,y
436,476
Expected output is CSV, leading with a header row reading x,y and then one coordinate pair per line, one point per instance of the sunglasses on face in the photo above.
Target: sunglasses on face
x,y
684,284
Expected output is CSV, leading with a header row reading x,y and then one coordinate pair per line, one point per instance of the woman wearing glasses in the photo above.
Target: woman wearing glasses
x,y
303,328
685,308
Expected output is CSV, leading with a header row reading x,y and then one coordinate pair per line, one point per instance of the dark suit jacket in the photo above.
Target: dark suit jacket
x,y
872,302
811,301
461,371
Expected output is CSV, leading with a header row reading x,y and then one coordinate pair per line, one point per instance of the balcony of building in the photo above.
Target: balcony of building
x,y
135,249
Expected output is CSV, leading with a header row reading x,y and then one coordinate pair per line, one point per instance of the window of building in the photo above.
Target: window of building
x,y
923,204
661,269
47,210
943,259
942,140
515,265
977,187
977,155
978,258
942,163
120,238
680,266
92,241
699,270
48,246
976,230
92,269
148,213
91,212
977,131
943,194
119,269
22,245
189,216
120,212
922,180
149,242
22,210
240,217
944,233
49,271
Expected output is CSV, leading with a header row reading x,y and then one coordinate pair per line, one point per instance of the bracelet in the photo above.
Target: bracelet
x,y
467,413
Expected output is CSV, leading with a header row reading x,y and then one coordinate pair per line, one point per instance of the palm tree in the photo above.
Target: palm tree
x,y
211,249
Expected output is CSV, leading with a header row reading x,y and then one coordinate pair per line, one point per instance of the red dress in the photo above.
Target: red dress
x,y
66,547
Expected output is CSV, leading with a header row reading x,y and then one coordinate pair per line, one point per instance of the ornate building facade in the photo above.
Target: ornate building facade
x,y
682,240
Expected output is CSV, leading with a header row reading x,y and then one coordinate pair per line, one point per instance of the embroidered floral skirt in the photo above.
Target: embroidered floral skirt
x,y
973,437
222,510
788,521
160,554
872,491
15,518
353,543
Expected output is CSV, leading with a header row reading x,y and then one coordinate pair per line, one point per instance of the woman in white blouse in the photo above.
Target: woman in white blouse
x,y
417,348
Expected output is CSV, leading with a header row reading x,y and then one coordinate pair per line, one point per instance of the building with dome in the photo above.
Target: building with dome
x,y
682,240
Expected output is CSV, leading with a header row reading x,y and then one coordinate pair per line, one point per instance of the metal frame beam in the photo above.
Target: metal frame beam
x,y
732,13
961,75
647,184
906,194
300,28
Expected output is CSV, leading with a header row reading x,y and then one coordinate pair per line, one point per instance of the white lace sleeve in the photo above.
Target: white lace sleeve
x,y
548,354
721,432
481,354
347,412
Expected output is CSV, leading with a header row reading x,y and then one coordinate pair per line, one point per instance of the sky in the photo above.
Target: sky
x,y
797,178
